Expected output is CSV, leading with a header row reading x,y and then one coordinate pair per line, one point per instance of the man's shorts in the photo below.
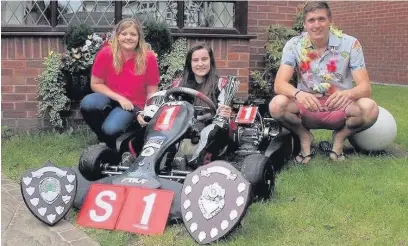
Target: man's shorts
x,y
322,119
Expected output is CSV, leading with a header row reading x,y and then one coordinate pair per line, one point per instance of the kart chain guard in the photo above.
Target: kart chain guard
x,y
214,199
49,192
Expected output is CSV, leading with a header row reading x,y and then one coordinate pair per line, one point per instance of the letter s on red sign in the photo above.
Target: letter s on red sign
x,y
102,206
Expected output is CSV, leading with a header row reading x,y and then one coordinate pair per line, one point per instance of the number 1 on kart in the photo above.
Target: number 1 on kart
x,y
246,115
166,118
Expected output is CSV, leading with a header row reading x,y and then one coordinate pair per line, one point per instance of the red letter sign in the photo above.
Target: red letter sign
x,y
102,206
132,209
246,115
145,211
166,119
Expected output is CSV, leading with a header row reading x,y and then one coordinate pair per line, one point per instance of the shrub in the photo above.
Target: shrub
x,y
51,90
77,35
172,63
261,83
158,35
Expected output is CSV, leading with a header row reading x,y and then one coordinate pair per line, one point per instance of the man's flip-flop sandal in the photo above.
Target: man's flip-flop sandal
x,y
327,148
300,158
339,157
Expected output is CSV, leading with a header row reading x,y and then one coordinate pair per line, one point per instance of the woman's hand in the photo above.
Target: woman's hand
x,y
224,111
309,101
126,104
141,120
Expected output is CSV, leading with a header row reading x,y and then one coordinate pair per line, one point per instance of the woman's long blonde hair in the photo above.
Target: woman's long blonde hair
x,y
141,47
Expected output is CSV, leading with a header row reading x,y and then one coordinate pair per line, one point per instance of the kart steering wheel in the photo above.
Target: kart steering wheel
x,y
197,94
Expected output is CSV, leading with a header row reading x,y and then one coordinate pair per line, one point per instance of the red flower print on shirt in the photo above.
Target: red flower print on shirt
x,y
312,55
331,67
305,66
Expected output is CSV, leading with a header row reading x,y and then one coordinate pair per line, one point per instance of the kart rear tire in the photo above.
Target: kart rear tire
x,y
261,174
91,160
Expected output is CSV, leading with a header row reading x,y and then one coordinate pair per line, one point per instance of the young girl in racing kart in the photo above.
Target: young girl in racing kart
x,y
124,74
200,74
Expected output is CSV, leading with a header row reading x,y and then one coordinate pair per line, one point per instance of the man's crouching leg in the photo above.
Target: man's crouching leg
x,y
360,115
284,110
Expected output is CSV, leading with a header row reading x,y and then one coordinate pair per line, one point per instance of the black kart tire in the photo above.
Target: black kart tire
x,y
260,173
91,161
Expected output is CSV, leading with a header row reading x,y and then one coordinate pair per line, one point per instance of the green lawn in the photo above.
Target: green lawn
x,y
363,201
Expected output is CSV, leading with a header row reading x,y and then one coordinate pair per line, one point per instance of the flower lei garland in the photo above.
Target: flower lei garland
x,y
308,54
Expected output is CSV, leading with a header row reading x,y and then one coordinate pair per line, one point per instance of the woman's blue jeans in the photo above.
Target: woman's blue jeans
x,y
106,117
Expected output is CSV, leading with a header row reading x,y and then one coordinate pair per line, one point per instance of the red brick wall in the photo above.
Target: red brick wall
x,y
382,29
261,15
22,62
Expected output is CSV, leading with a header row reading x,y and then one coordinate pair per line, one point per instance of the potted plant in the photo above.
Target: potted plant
x,y
82,45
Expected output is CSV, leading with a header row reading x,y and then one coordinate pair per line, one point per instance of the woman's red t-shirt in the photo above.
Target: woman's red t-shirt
x,y
126,83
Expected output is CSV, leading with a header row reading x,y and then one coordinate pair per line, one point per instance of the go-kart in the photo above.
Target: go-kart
x,y
156,158
258,145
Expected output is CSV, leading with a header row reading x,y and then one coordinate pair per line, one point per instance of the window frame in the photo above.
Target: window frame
x,y
239,29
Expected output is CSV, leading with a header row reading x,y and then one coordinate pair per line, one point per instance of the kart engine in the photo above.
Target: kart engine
x,y
251,138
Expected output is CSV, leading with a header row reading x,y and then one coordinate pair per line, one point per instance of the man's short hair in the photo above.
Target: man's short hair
x,y
312,6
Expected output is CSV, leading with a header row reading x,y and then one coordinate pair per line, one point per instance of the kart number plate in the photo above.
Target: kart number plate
x,y
132,209
166,118
246,115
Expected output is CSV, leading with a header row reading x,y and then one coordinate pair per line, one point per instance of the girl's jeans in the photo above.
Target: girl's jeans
x,y
106,117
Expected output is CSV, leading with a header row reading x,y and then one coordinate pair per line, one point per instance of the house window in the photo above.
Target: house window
x,y
184,17
151,10
209,14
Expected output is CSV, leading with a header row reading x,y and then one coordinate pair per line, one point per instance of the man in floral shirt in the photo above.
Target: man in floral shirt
x,y
326,62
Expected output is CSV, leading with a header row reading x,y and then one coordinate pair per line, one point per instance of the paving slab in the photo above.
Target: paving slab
x,y
20,227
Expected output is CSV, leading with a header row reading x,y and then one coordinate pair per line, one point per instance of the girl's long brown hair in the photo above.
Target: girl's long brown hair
x,y
209,86
141,47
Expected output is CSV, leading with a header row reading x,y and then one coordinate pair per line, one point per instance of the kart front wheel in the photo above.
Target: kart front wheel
x,y
260,173
92,159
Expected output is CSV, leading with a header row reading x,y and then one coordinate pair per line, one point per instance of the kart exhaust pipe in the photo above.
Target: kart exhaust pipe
x,y
180,172
111,173
116,168
171,177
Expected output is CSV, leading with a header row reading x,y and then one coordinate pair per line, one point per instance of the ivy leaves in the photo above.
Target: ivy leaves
x,y
51,90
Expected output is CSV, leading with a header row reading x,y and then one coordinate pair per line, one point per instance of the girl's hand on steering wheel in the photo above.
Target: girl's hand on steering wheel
x,y
224,111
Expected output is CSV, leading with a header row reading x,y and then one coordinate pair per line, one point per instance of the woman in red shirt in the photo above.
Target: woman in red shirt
x,y
124,74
